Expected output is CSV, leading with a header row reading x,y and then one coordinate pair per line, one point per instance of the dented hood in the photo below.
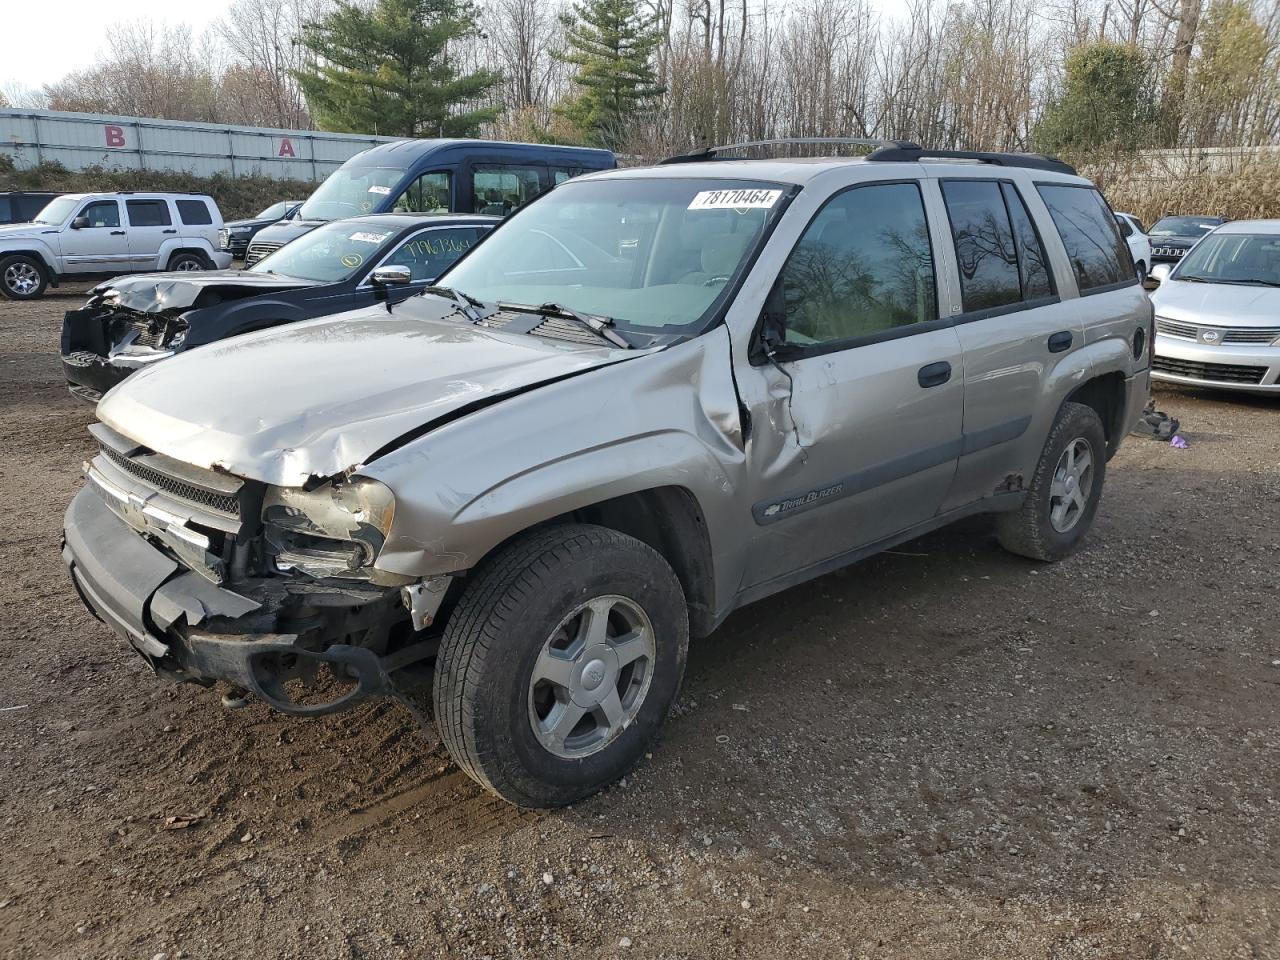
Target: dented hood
x,y
316,398
156,292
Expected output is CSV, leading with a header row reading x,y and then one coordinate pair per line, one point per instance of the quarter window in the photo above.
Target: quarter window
x,y
500,190
194,213
863,266
426,254
429,193
1098,254
148,213
102,213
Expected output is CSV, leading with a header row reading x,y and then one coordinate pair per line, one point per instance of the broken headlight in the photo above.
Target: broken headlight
x,y
335,530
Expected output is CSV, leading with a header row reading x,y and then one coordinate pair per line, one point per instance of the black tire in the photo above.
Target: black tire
x,y
1032,531
1142,270
484,693
23,277
184,260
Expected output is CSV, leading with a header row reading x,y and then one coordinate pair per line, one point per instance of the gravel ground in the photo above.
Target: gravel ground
x,y
945,751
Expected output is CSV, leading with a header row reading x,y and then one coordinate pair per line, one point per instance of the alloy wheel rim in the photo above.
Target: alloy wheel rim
x,y
21,278
591,677
186,264
1072,483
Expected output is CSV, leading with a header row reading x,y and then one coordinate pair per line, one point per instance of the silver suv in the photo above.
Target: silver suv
x,y
649,398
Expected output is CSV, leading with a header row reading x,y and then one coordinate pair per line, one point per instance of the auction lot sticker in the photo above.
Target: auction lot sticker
x,y
734,199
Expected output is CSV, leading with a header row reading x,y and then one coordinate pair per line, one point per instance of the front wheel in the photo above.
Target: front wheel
x,y
22,277
559,663
1064,491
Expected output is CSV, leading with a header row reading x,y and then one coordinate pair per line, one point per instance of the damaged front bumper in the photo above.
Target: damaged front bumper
x,y
93,363
258,637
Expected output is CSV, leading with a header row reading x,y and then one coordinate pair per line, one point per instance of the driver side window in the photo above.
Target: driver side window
x,y
426,254
864,265
102,213
429,193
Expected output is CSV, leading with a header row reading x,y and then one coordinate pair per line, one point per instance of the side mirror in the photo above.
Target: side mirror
x,y
1160,272
392,276
79,223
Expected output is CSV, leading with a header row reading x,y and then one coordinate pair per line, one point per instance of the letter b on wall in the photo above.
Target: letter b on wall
x,y
115,135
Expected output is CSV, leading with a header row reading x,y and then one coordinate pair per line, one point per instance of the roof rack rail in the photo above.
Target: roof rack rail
x,y
909,153
714,153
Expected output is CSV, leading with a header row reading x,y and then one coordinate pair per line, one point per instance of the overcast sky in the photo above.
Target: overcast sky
x,y
73,31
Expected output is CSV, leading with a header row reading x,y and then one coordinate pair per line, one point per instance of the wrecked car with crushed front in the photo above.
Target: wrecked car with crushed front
x,y
132,322
651,397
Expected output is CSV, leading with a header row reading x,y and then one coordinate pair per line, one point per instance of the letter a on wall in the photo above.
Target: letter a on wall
x,y
115,135
286,148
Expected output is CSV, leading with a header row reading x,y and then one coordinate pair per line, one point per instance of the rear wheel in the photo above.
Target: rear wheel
x,y
22,277
559,663
183,262
1064,491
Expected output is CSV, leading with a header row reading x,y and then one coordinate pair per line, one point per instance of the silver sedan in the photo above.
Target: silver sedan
x,y
1218,311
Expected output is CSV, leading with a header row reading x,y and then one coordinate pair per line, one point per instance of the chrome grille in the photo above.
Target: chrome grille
x,y
259,249
1251,335
1171,328
224,503
1240,336
1210,372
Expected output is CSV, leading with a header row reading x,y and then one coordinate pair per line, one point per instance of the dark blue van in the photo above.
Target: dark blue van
x,y
434,176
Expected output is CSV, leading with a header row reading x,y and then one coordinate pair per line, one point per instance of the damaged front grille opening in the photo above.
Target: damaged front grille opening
x,y
226,503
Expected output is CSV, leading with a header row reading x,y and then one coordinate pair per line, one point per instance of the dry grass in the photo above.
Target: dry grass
x,y
1151,187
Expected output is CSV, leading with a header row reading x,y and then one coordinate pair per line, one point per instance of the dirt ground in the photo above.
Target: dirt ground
x,y
943,752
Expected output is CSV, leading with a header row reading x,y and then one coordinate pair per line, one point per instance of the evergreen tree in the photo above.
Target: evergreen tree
x,y
1106,101
387,70
611,43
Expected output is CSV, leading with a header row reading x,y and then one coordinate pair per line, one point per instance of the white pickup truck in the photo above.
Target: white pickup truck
x,y
101,235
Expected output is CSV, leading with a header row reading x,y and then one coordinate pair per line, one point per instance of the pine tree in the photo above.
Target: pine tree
x,y
387,70
611,43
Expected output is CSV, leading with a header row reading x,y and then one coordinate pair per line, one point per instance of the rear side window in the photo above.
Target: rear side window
x,y
194,213
863,266
985,249
1033,263
148,213
1098,254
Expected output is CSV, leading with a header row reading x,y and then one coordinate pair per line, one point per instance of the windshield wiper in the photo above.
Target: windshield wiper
x,y
600,326
1192,278
1258,280
465,303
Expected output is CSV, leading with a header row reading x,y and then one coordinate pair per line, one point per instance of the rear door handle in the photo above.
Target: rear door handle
x,y
934,374
117,233
171,231
1060,341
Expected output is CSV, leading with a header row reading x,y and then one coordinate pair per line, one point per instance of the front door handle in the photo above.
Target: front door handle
x,y
934,374
170,231
1060,341
117,233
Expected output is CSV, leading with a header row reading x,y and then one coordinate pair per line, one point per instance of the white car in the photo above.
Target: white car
x,y
1135,234
1218,311
102,235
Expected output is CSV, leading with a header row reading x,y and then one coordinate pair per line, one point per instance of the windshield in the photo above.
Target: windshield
x,y
1184,226
1233,258
274,212
329,253
351,191
654,255
56,211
